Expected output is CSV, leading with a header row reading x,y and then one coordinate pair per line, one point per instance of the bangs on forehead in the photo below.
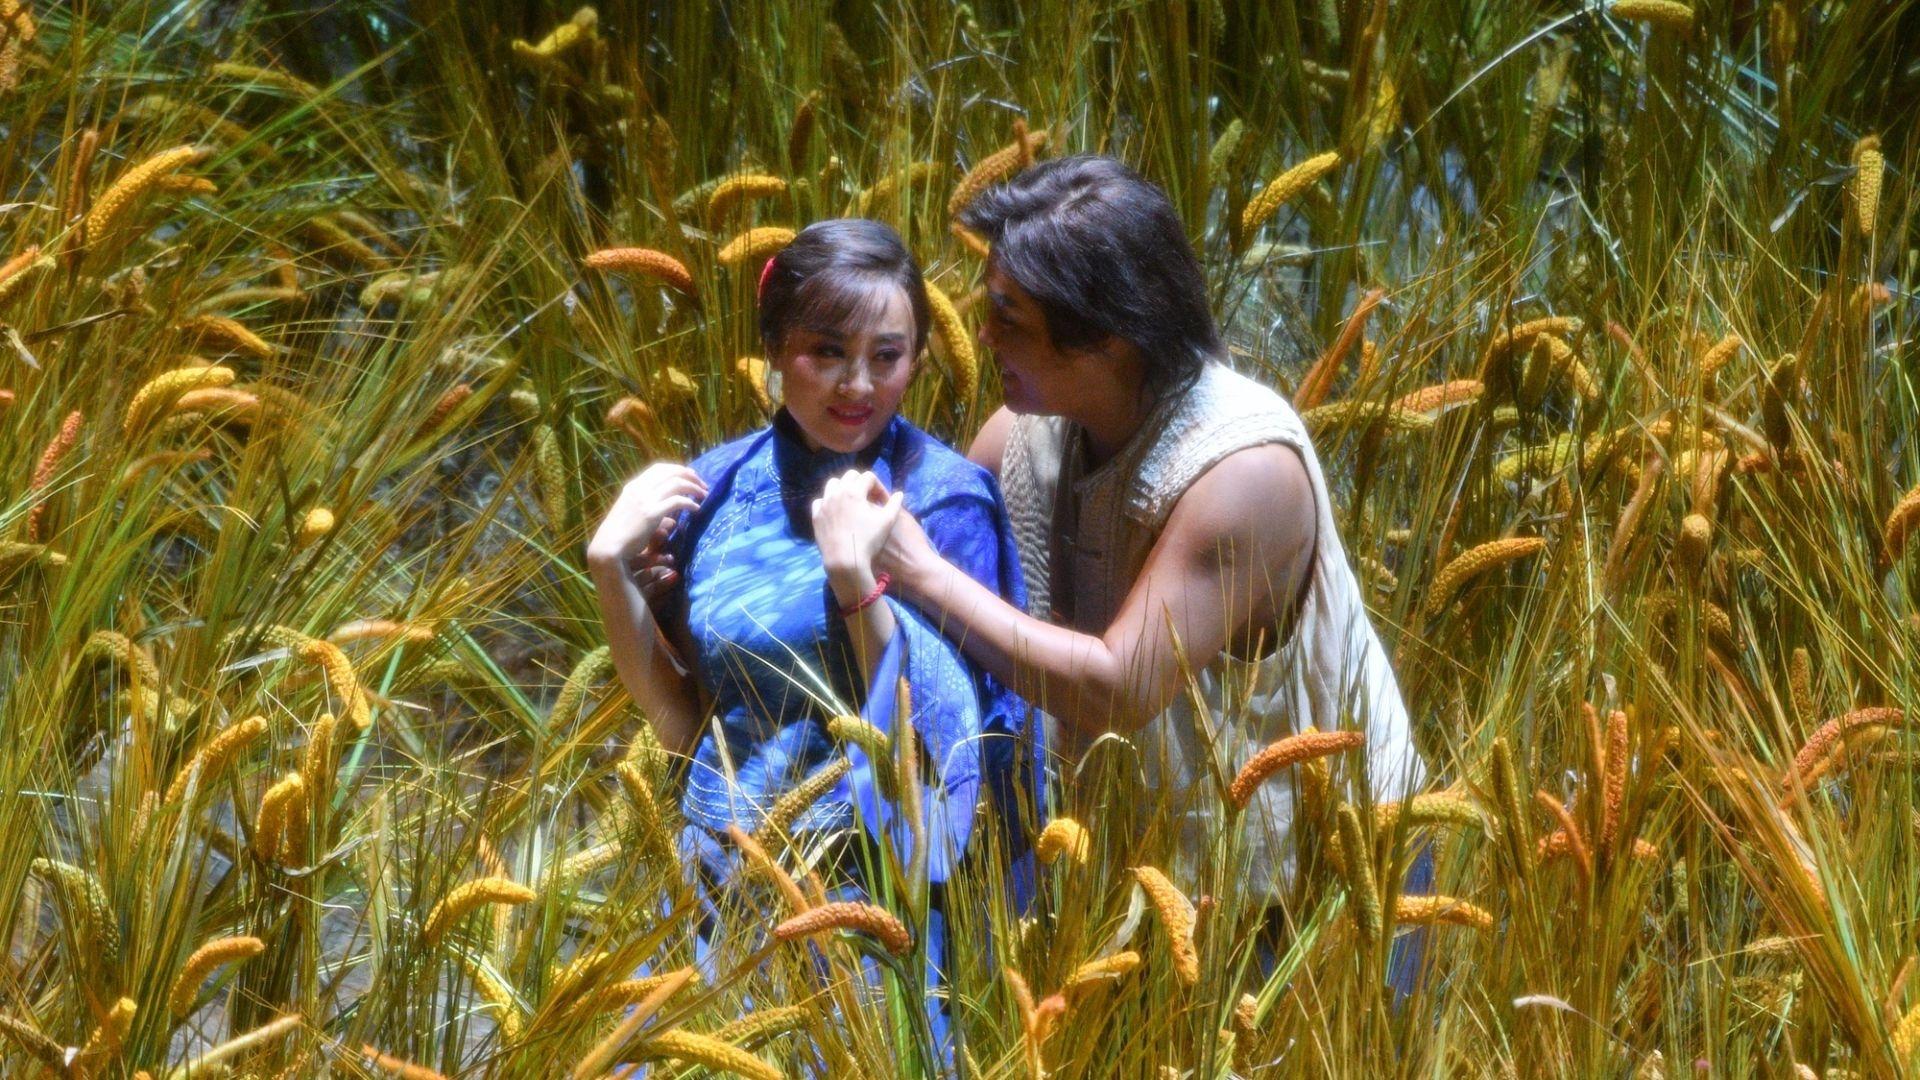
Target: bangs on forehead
x,y
843,302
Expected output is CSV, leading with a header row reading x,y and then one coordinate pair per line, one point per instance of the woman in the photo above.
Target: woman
x,y
774,613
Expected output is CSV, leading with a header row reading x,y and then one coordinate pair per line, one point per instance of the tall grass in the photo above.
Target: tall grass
x,y
396,202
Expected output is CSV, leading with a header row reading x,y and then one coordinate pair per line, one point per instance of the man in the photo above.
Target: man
x,y
1170,513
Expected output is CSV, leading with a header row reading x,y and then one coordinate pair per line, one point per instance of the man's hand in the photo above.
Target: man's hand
x,y
851,521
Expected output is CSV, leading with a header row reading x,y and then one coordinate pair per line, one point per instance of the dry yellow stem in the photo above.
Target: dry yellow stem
x,y
753,371
787,808
213,954
263,76
1718,354
105,1041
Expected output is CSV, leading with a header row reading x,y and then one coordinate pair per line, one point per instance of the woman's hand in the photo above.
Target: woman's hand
x,y
907,555
851,521
642,517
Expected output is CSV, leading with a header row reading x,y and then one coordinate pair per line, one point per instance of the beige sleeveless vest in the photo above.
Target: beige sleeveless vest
x,y
1084,538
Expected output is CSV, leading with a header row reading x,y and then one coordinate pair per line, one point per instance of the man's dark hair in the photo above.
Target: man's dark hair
x,y
1103,253
836,275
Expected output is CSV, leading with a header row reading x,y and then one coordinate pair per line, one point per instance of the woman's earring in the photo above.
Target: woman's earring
x,y
775,383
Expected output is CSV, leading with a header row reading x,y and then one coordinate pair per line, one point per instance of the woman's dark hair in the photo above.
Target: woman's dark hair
x,y
1104,254
836,275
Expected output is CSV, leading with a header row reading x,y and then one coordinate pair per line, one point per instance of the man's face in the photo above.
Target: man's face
x,y
1037,377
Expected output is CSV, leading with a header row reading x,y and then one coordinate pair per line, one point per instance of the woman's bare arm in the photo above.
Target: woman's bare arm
x,y
1239,539
660,685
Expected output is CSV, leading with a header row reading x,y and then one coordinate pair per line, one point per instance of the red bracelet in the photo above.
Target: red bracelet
x,y
880,584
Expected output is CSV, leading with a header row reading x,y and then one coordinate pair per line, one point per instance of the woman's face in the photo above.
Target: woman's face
x,y
843,388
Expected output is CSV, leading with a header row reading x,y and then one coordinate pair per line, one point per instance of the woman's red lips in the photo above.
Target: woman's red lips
x,y
851,416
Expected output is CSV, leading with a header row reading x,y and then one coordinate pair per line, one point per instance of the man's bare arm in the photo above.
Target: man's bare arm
x,y
1239,543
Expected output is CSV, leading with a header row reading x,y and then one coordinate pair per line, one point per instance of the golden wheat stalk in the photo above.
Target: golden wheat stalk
x,y
340,676
1284,188
1105,970
35,1042
107,1039
763,864
963,364
754,246
331,241
215,953
694,1048
1063,836
1177,918
49,463
1364,415
1665,14
16,271
1800,684
1901,524
632,991
1426,810
157,394
800,132
1318,380
462,901
884,190
272,78
759,1026
972,241
995,167
1428,910
1807,763
270,825
1568,840
495,992
875,922
787,808
648,263
1476,561
736,190
1357,862
1442,397
131,185
209,760
225,333
86,902
852,729
753,371
561,40
397,1066
550,474
1863,188
1615,762
1288,751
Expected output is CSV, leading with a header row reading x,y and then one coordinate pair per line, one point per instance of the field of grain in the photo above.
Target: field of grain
x,y
329,331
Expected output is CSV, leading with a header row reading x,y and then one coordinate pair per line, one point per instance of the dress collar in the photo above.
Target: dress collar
x,y
810,469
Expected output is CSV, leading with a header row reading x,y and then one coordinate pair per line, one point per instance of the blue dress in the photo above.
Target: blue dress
x,y
777,661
